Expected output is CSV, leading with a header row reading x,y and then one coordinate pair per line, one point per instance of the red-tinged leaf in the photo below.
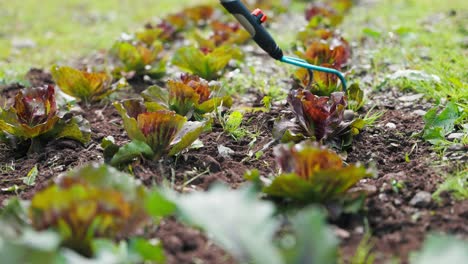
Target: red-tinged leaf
x,y
323,14
318,52
177,20
159,129
33,113
191,96
311,173
81,84
199,13
94,201
227,33
168,31
334,51
341,5
129,111
318,116
34,117
306,159
149,35
134,108
182,98
163,31
36,105
341,52
200,86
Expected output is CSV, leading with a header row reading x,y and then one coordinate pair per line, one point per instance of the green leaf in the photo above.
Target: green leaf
x,y
355,97
186,136
191,59
157,70
211,104
207,65
441,249
234,121
110,148
456,185
125,109
76,128
244,226
439,125
130,151
30,178
136,57
315,242
158,206
292,186
156,94
146,250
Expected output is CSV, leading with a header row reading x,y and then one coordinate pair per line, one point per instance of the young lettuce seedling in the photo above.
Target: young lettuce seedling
x,y
88,87
189,96
139,59
204,61
311,174
154,132
333,52
320,118
322,14
34,118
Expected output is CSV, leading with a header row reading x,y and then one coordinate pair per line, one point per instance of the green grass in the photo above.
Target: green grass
x,y
456,185
425,35
66,30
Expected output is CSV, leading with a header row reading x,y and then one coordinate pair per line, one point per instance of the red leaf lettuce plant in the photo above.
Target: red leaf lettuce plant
x,y
229,33
83,85
189,96
163,32
190,17
154,132
35,118
310,174
322,14
320,118
333,53
94,201
139,59
206,62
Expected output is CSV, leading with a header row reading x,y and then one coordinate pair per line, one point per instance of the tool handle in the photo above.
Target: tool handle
x,y
253,25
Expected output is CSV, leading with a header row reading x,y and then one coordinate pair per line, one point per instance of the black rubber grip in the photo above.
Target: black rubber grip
x,y
254,27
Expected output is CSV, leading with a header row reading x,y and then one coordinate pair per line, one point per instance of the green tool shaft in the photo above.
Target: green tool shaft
x,y
304,64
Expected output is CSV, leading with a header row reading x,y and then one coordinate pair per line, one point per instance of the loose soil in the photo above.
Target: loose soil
x,y
397,227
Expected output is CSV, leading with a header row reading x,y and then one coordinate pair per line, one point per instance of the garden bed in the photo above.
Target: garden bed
x,y
399,210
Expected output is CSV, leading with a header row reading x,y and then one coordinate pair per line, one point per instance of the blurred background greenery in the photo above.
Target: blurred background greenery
x,y
40,33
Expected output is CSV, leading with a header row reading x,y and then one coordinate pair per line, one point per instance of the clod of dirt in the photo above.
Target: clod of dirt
x,y
421,199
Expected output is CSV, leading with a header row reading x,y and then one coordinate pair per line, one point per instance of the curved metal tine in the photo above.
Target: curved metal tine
x,y
295,59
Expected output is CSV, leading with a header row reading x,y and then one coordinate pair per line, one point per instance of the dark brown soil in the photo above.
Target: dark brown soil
x,y
397,227
185,245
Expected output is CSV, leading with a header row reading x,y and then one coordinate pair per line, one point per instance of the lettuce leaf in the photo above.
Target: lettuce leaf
x,y
206,65
83,85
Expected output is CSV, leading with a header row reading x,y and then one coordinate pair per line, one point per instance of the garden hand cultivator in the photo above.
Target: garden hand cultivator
x,y
252,22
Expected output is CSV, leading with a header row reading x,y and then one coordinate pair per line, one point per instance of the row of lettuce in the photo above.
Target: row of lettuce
x,y
86,211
